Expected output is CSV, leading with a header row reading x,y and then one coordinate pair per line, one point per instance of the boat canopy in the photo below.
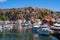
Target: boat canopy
x,y
56,24
36,24
45,25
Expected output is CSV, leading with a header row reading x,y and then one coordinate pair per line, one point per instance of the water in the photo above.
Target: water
x,y
25,35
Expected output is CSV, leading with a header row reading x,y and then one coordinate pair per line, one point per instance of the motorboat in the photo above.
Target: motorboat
x,y
55,29
26,25
5,26
36,24
35,27
44,30
0,28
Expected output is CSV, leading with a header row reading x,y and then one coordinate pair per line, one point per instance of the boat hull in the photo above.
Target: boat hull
x,y
44,32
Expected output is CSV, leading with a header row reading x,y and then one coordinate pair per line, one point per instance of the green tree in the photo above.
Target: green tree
x,y
15,16
1,17
43,14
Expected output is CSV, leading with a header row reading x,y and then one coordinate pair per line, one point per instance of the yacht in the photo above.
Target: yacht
x,y
35,27
25,25
6,25
55,28
44,30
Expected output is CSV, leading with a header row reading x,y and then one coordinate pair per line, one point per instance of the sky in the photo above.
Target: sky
x,y
48,4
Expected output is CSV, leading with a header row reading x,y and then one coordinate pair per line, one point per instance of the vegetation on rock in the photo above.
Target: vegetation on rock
x,y
15,13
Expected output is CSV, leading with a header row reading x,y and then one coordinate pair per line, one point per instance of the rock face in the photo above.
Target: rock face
x,y
15,13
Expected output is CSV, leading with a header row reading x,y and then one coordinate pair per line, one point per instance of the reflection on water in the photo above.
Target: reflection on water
x,y
54,38
44,37
25,35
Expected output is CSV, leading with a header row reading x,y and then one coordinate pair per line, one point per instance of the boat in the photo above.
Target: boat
x,y
55,28
26,25
44,30
35,27
0,28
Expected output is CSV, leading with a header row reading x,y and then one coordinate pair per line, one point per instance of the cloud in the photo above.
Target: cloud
x,y
3,0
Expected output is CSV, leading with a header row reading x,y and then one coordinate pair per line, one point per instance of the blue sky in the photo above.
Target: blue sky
x,y
49,4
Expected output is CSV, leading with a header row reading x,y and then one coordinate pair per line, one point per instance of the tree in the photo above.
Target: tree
x,y
1,17
43,14
15,16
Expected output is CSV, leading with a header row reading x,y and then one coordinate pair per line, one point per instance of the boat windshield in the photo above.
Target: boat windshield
x,y
57,26
58,22
44,27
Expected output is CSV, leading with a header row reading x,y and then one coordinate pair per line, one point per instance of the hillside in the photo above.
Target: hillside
x,y
28,12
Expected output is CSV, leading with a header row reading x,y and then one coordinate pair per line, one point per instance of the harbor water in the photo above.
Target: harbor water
x,y
25,35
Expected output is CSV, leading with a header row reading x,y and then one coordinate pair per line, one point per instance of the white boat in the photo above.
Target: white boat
x,y
1,28
36,24
6,26
44,29
55,29
26,25
35,27
10,26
